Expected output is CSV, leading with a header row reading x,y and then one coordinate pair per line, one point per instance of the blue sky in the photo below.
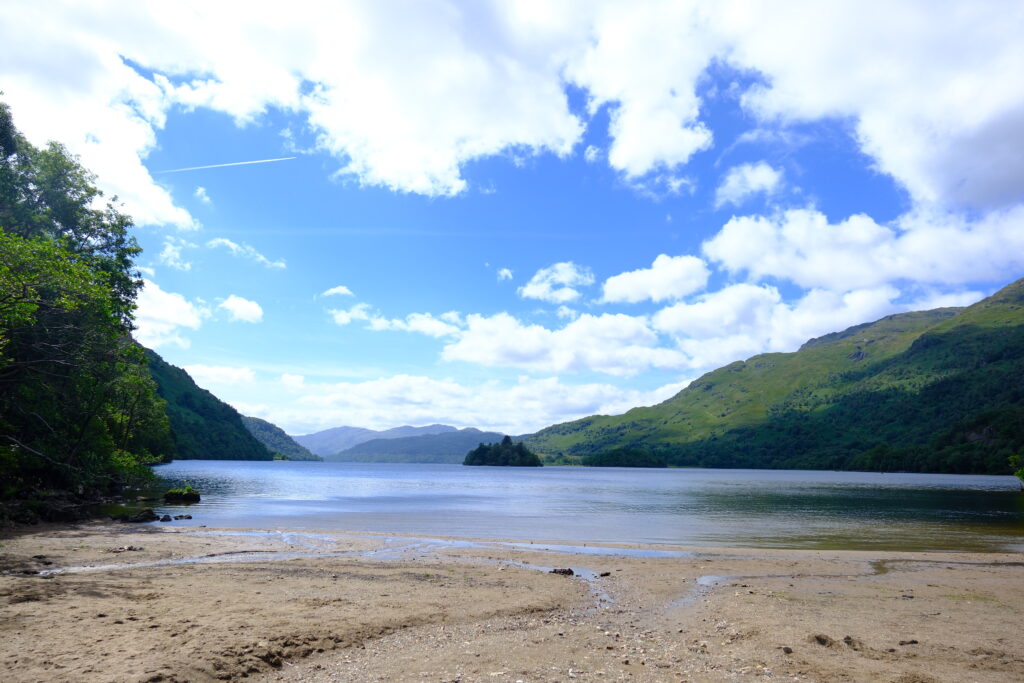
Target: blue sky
x,y
509,215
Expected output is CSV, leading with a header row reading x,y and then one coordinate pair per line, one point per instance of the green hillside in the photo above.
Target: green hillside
x,y
204,427
926,391
276,440
447,447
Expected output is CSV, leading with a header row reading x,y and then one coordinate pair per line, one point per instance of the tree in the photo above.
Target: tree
x,y
1017,463
78,409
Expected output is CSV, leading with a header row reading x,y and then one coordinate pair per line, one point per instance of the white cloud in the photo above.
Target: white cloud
x,y
591,154
242,310
930,92
742,320
567,313
932,96
214,377
557,283
669,277
519,407
202,195
504,274
613,344
171,254
424,323
803,247
244,251
161,315
293,381
356,312
745,180
340,290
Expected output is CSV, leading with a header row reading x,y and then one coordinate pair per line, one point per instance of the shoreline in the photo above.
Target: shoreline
x,y
189,603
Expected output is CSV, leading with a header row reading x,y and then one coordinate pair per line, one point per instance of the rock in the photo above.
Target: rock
x,y
822,639
564,572
908,642
165,518
603,574
788,650
181,497
182,516
146,515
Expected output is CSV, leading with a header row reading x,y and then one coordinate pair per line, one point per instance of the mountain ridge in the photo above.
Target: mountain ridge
x,y
444,447
336,439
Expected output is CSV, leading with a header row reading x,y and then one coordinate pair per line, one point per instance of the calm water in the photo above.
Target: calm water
x,y
753,508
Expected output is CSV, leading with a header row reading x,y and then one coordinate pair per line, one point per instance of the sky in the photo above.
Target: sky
x,y
506,215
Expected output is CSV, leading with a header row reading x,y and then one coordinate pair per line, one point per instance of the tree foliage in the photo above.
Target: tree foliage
x,y
204,427
505,453
78,409
625,457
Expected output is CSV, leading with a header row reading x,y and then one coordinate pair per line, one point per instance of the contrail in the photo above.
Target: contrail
x,y
234,163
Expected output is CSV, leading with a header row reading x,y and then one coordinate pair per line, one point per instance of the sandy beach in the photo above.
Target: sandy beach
x,y
103,602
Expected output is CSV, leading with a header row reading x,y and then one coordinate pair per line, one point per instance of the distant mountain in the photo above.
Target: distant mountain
x,y
931,391
331,441
204,427
446,447
275,439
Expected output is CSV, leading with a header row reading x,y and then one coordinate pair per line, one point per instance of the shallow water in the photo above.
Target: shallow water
x,y
751,508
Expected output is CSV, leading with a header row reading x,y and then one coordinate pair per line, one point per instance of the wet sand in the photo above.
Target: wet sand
x,y
130,603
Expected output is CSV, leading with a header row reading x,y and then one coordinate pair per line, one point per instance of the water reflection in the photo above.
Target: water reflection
x,y
686,507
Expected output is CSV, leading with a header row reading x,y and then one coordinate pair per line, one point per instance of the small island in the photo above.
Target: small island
x,y
505,454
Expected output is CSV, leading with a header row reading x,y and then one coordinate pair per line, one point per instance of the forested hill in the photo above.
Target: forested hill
x,y
276,440
204,427
446,447
932,391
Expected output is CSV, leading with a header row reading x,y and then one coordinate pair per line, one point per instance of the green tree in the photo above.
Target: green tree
x,y
78,409
1017,463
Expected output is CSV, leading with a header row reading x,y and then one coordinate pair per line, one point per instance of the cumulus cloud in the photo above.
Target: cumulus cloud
x,y
802,246
557,284
244,251
504,274
346,316
171,254
745,180
931,95
424,323
340,290
202,195
742,320
613,344
161,317
242,310
669,277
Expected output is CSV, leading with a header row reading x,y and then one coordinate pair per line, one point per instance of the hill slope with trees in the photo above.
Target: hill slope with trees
x,y
204,426
932,391
276,440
